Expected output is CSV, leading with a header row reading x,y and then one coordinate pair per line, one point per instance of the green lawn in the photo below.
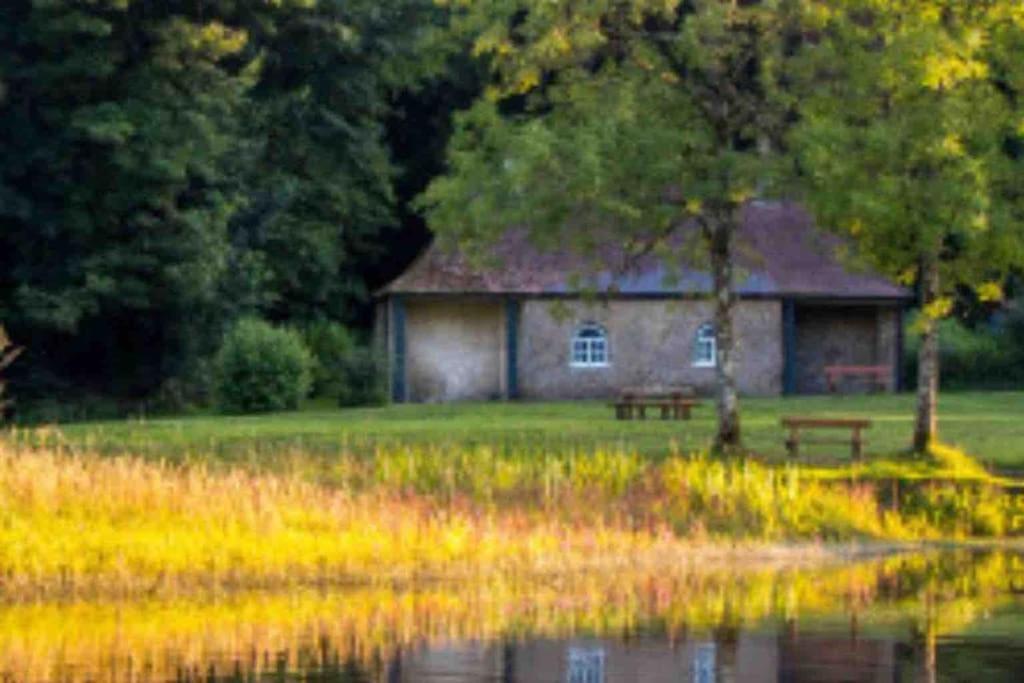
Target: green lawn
x,y
987,425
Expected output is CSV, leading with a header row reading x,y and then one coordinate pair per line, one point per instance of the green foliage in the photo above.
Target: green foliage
x,y
345,369
260,368
364,379
169,167
615,123
904,148
330,344
908,110
319,177
608,121
971,358
116,188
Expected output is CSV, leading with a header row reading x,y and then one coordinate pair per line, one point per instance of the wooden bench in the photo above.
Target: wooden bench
x,y
677,409
878,375
796,424
675,403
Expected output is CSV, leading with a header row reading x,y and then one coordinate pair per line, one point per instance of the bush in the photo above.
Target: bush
x,y
331,344
982,358
364,379
344,368
261,368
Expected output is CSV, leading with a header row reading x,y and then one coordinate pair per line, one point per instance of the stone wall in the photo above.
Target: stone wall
x,y
454,350
842,335
651,343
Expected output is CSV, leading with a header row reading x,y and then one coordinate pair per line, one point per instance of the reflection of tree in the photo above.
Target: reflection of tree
x,y
727,638
394,673
508,662
924,640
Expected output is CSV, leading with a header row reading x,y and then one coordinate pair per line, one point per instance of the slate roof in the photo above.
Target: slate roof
x,y
779,254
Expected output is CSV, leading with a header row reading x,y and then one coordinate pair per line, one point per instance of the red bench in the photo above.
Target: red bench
x,y
878,375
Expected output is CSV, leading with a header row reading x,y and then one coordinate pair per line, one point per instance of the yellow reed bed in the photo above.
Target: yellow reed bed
x,y
73,524
82,524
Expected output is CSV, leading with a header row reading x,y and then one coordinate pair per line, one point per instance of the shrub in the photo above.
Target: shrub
x,y
261,368
330,343
982,358
364,379
344,368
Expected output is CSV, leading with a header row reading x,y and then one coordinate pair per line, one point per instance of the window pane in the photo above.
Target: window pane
x,y
589,346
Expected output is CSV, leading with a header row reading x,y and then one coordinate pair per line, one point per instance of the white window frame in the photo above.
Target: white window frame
x,y
595,348
706,339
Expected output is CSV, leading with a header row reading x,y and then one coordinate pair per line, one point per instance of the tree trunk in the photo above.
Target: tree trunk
x,y
926,419
720,237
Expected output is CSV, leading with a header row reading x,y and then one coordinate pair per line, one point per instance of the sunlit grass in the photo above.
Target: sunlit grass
x,y
80,523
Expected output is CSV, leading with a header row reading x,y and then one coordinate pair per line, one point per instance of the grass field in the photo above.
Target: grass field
x,y
989,426
401,492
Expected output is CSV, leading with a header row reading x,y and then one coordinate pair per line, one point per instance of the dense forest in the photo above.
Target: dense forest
x,y
171,166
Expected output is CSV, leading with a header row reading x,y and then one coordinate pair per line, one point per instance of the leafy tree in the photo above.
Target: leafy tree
x,y
169,167
907,110
115,134
320,181
614,122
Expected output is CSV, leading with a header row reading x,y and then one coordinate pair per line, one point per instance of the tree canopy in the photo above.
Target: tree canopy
x,y
618,122
908,110
167,167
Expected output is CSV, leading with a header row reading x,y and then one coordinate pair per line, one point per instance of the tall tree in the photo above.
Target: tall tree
x,y
167,166
117,125
321,178
907,108
615,122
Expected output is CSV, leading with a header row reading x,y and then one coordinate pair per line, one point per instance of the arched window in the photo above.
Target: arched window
x,y
704,346
589,347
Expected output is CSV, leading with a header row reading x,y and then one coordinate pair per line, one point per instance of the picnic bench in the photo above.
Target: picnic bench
x,y
878,375
675,403
797,424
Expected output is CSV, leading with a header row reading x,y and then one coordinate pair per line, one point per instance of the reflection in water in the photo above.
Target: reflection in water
x,y
923,618
704,663
586,665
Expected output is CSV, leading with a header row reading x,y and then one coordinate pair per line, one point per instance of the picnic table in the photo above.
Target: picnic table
x,y
672,402
878,375
798,424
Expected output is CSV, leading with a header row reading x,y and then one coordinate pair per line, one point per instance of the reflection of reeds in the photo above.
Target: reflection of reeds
x,y
76,524
261,632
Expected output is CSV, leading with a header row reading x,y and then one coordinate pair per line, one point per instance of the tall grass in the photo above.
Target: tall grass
x,y
76,523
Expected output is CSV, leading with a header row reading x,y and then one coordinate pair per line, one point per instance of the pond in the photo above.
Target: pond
x,y
936,616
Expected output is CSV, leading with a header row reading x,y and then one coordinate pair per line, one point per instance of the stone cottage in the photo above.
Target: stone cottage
x,y
520,329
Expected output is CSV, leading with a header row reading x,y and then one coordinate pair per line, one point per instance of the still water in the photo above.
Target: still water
x,y
952,616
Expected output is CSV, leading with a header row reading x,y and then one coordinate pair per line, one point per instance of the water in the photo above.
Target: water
x,y
953,616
